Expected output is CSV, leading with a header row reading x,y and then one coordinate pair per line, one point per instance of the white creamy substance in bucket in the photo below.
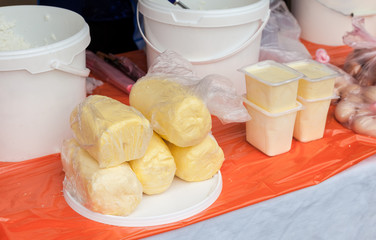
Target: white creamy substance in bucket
x,y
9,41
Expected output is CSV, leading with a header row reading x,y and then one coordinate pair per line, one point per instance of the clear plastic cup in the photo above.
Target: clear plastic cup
x,y
271,85
310,122
318,80
271,133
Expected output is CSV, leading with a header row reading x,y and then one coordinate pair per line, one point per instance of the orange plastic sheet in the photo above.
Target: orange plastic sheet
x,y
32,203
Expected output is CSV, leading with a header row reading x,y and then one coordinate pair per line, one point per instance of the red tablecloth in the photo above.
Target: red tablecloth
x,y
32,204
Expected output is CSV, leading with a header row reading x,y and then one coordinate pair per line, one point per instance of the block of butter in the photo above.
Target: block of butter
x,y
113,191
271,85
110,131
175,113
156,169
199,162
318,80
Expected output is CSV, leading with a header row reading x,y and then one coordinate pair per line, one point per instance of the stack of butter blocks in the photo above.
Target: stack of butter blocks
x,y
120,152
287,101
315,93
271,100
105,163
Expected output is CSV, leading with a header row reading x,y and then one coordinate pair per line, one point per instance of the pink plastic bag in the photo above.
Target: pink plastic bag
x,y
361,62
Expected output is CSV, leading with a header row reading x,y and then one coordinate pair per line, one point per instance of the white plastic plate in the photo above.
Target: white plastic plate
x,y
182,200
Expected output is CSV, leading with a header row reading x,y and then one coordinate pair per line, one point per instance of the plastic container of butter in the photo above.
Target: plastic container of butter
x,y
271,85
271,133
311,120
318,80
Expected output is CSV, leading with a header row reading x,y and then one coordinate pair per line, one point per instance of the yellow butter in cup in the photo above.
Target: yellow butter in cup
x,y
271,85
318,80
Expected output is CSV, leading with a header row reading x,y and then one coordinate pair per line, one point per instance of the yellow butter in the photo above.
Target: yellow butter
x,y
199,162
271,85
114,190
156,169
271,74
175,114
110,131
318,80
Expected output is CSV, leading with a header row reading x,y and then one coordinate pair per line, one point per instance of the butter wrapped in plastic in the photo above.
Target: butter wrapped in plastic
x,y
156,169
199,162
110,131
175,113
113,191
217,92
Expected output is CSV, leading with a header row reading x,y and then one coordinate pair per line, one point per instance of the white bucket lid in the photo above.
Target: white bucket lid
x,y
58,36
209,13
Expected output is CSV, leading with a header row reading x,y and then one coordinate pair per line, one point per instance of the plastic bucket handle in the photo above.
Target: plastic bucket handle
x,y
55,64
240,48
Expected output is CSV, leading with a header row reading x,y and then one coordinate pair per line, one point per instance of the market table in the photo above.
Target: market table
x,y
259,198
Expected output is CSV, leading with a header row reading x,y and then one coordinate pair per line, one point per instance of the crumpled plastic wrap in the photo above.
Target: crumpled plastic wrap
x,y
361,62
91,84
280,37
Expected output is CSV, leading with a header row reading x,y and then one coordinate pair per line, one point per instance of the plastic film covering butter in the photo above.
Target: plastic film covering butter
x,y
175,113
318,80
199,162
156,169
271,85
110,131
114,190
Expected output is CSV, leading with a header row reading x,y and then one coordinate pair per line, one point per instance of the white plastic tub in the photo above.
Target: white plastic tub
x,y
327,21
311,121
318,80
271,133
182,200
216,36
271,85
40,86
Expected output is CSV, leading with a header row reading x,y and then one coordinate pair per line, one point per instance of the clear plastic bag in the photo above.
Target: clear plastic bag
x,y
280,37
361,62
216,91
357,109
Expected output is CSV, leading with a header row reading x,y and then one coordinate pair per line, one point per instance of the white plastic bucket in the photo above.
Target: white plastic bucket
x,y
216,36
327,21
40,86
